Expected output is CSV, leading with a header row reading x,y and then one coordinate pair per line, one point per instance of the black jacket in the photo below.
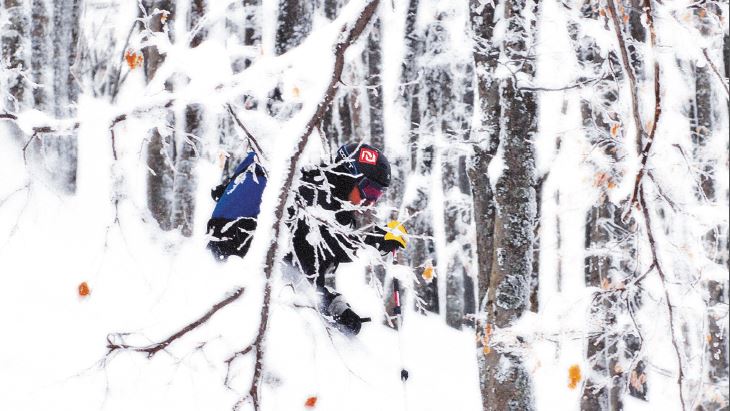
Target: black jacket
x,y
324,228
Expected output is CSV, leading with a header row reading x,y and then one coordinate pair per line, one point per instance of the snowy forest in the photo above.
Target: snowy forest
x,y
561,168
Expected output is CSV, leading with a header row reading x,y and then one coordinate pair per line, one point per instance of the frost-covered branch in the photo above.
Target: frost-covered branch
x,y
646,150
626,62
658,266
154,348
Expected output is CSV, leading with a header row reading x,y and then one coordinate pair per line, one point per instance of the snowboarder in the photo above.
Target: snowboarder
x,y
320,240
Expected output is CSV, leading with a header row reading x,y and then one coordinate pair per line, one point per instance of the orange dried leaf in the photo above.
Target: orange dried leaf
x,y
709,338
84,289
295,91
601,179
165,15
626,18
311,402
614,129
427,273
574,376
133,59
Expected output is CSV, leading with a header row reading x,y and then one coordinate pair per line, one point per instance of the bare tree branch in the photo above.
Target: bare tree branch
x,y
629,72
153,349
249,136
723,81
657,107
657,265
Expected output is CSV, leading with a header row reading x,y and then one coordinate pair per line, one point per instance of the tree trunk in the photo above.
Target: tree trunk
x,y
611,347
161,146
486,141
61,151
15,52
294,24
244,23
188,148
508,385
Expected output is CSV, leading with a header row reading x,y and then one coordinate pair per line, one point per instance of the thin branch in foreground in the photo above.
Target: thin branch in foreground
x,y
629,72
662,275
645,151
723,81
248,134
154,348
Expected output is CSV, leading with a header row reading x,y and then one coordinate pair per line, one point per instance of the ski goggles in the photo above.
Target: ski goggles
x,y
370,191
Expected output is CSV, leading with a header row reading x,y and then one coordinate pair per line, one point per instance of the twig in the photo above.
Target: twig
x,y
25,147
153,349
249,136
657,109
717,72
8,116
629,72
657,265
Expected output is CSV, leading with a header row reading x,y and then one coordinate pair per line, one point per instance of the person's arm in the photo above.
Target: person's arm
x,y
389,239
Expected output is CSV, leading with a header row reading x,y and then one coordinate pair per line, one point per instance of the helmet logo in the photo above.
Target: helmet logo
x,y
368,156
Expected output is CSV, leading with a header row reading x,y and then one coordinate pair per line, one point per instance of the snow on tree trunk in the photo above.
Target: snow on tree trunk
x,y
427,117
610,242
704,118
54,38
243,22
161,145
485,139
294,24
41,51
337,122
448,76
188,148
15,53
61,150
508,384
244,27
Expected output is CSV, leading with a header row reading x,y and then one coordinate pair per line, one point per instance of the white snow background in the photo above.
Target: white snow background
x,y
150,283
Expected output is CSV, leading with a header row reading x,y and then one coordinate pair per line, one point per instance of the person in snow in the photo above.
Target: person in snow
x,y
322,220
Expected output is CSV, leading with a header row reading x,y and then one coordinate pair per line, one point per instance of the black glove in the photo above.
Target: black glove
x,y
350,321
388,246
217,192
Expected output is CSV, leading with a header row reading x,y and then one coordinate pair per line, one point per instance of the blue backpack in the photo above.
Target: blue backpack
x,y
240,195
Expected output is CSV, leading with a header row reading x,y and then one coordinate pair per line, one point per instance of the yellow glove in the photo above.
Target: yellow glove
x,y
396,232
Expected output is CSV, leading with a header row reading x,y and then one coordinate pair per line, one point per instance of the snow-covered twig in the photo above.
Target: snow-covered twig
x,y
717,73
629,72
645,151
252,140
657,265
154,348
